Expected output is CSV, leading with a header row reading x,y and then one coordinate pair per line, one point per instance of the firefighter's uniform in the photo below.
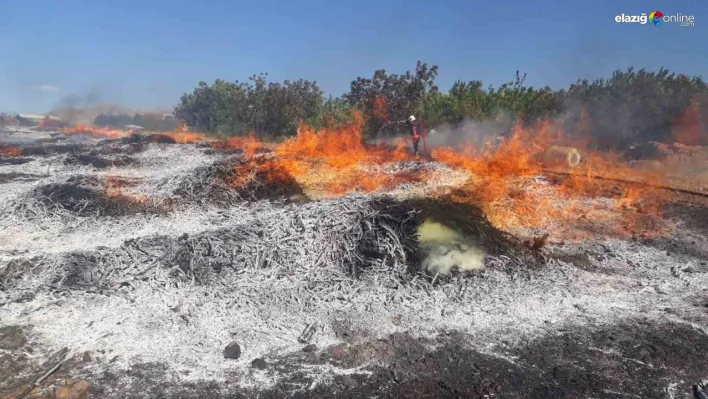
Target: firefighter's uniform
x,y
417,131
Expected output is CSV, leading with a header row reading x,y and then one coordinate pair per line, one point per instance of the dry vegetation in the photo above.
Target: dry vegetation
x,y
145,256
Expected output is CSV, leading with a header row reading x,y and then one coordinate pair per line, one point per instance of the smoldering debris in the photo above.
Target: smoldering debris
x,y
61,148
352,236
51,149
137,138
98,161
237,179
78,195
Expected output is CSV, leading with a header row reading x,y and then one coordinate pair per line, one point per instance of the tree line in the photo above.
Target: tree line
x,y
630,106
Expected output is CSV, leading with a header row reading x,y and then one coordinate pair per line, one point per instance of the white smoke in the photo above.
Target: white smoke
x,y
476,134
446,249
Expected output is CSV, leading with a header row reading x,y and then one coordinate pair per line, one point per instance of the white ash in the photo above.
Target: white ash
x,y
187,327
61,235
347,236
172,319
165,160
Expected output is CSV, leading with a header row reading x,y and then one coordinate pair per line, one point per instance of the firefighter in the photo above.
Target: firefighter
x,y
417,131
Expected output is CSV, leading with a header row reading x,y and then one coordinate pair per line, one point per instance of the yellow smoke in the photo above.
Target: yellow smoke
x,y
446,249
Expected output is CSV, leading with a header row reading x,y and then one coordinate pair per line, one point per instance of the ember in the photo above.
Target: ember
x,y
179,136
96,131
9,151
84,197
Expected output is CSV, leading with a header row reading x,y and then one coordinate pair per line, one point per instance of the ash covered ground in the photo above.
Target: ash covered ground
x,y
162,280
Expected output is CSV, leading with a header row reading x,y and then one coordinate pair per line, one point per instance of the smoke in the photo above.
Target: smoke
x,y
446,249
93,96
470,133
603,122
72,107
634,114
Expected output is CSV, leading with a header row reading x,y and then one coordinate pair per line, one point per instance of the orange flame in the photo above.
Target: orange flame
x,y
329,162
513,182
94,131
380,108
505,186
180,135
249,144
504,179
10,151
337,161
114,190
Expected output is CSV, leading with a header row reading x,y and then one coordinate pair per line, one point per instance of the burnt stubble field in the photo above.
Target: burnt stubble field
x,y
148,267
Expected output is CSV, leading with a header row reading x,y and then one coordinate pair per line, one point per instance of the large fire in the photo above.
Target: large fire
x,y
517,188
337,161
511,181
535,179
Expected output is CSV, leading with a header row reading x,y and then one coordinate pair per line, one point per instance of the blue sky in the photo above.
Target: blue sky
x,y
145,54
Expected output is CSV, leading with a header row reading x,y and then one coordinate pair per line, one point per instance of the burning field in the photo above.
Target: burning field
x,y
325,266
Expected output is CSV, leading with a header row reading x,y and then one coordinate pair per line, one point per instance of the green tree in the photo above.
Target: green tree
x,y
267,108
402,95
634,106
628,107
333,112
212,108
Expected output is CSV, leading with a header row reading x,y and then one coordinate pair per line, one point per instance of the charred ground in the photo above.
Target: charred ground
x,y
145,270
